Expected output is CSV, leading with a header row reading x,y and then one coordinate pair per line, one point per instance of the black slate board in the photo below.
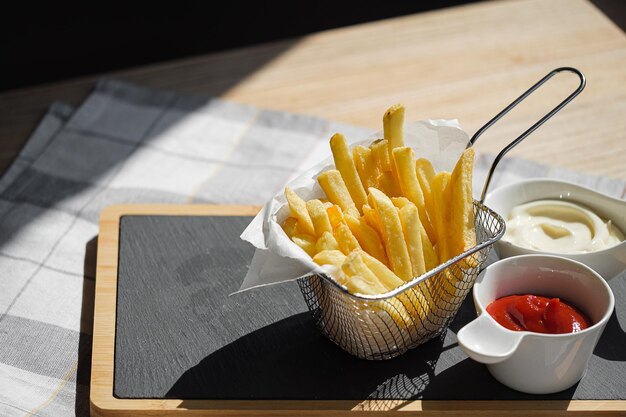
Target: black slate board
x,y
180,335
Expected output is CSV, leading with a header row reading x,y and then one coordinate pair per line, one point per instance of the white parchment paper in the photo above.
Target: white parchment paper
x,y
277,258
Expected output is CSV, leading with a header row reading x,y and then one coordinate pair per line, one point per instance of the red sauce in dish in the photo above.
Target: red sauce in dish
x,y
537,314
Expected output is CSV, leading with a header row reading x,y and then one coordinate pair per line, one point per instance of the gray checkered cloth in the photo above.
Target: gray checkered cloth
x,y
127,144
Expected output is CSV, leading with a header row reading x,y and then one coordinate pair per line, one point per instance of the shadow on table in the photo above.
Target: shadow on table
x,y
291,359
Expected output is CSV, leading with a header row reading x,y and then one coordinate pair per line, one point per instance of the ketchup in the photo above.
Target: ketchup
x,y
537,314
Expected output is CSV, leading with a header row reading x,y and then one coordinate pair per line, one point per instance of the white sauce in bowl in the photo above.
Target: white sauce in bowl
x,y
560,227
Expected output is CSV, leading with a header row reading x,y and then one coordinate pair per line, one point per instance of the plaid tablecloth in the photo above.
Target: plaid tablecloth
x,y
128,144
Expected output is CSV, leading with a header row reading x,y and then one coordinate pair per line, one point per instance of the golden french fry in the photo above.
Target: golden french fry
x,y
345,165
410,301
393,237
409,218
341,277
319,217
425,174
441,203
384,274
430,256
306,242
431,259
361,279
297,207
389,184
400,202
359,153
371,218
326,242
330,257
461,229
404,158
335,189
357,284
335,216
443,285
367,237
365,166
393,122
346,240
380,152
444,288
290,226
398,313
334,258
418,304
424,303
405,165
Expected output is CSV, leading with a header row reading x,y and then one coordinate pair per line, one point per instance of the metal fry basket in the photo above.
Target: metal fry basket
x,y
383,326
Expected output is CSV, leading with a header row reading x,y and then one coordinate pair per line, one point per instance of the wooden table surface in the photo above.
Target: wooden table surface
x,y
465,62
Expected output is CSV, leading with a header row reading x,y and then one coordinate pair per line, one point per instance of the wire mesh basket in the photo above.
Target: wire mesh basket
x,y
384,326
387,325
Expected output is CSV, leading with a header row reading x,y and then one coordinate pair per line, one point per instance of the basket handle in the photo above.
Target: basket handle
x,y
531,129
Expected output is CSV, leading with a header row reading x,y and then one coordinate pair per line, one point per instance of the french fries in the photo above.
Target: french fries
x,y
330,257
425,174
462,234
366,166
371,218
297,206
386,218
291,227
388,183
306,242
347,169
335,216
326,242
430,256
407,174
411,227
367,237
380,153
392,234
441,198
384,274
346,240
363,280
393,126
393,122
319,217
335,188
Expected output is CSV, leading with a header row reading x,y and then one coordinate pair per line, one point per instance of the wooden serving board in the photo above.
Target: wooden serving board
x,y
170,339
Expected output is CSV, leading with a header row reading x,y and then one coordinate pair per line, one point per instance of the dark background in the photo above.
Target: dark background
x,y
48,41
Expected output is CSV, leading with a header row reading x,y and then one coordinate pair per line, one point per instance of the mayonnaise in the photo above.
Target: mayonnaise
x,y
560,227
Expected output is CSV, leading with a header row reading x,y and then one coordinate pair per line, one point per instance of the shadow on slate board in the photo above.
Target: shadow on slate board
x,y
291,359
180,334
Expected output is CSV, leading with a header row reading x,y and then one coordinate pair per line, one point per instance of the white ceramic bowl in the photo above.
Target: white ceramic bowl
x,y
608,262
530,362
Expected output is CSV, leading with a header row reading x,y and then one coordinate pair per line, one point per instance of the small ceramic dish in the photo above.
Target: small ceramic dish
x,y
607,262
537,363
